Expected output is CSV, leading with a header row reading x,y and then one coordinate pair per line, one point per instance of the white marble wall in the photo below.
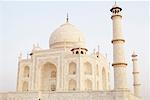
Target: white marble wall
x,y
62,59
93,95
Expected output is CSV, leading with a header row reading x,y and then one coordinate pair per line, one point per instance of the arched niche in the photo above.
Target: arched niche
x,y
25,86
88,85
26,71
48,75
104,78
72,68
53,87
72,85
87,68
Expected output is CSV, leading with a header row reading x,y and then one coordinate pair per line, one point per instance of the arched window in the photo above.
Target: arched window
x,y
72,85
72,68
25,86
88,85
88,68
117,11
82,52
48,75
26,71
104,78
77,52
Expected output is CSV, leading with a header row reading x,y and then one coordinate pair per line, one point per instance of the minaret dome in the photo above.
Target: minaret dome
x,y
116,9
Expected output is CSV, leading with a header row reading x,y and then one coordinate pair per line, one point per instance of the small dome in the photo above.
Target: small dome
x,y
134,54
115,6
67,35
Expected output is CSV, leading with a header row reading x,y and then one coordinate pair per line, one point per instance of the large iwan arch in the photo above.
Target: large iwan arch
x,y
48,77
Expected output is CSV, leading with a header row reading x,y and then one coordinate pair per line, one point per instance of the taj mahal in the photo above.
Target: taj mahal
x,y
67,71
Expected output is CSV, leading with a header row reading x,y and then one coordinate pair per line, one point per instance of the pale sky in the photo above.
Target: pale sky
x,y
25,23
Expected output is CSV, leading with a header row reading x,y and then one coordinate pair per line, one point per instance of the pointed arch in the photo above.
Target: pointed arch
x,y
48,76
72,85
26,71
88,68
72,68
88,85
25,86
104,78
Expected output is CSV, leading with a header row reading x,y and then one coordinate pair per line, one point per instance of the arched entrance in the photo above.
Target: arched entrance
x,y
48,77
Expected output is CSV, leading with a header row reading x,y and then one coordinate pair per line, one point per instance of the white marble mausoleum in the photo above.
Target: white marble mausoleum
x,y
67,71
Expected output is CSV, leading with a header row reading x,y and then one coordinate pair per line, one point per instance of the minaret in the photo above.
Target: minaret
x,y
119,63
136,77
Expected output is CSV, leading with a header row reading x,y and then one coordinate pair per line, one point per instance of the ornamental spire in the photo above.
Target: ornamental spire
x,y
67,19
115,3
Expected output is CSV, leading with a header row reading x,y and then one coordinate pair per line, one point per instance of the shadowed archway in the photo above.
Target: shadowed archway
x,y
48,77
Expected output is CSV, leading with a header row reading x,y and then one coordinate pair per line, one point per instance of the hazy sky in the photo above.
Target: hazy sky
x,y
25,23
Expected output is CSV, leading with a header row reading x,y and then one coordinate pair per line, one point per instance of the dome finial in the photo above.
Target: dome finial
x,y
115,2
67,19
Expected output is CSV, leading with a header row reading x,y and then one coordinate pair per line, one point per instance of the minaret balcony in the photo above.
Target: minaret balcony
x,y
114,15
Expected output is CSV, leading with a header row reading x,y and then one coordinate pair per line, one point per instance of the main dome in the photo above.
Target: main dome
x,y
67,35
